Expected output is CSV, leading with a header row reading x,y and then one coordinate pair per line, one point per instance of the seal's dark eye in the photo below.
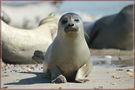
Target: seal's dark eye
x,y
76,20
64,21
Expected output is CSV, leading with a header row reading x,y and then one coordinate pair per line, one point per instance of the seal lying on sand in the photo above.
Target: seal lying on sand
x,y
27,15
68,57
18,45
115,31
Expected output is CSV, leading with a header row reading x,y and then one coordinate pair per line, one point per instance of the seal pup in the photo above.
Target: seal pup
x,y
68,57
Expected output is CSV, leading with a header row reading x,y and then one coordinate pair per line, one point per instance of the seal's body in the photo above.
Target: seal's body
x,y
18,45
114,31
68,56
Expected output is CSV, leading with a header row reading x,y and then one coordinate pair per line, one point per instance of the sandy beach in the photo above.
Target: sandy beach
x,y
112,69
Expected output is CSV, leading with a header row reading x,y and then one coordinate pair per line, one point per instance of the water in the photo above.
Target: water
x,y
94,7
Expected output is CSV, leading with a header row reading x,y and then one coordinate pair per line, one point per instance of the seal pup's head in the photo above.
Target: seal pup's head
x,y
70,24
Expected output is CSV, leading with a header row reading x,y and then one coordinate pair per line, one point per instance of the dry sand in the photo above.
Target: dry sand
x,y
111,70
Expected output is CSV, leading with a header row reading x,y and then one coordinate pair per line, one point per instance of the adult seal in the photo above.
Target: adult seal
x,y
114,31
18,45
68,57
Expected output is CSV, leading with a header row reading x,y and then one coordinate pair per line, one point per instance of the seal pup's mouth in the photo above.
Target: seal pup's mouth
x,y
71,29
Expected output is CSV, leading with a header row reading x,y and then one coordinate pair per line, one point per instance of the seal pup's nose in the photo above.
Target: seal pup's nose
x,y
70,24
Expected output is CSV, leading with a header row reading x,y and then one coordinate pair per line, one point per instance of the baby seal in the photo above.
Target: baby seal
x,y
68,57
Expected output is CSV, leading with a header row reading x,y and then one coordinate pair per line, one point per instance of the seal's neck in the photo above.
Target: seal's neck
x,y
71,39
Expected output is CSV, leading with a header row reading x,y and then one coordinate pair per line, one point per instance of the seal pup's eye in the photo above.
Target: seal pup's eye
x,y
64,21
76,20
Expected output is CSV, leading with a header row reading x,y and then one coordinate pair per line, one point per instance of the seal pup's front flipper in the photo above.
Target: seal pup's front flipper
x,y
82,73
56,75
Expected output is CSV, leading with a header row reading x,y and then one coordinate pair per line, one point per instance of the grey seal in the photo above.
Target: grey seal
x,y
22,16
68,57
114,31
5,17
18,45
